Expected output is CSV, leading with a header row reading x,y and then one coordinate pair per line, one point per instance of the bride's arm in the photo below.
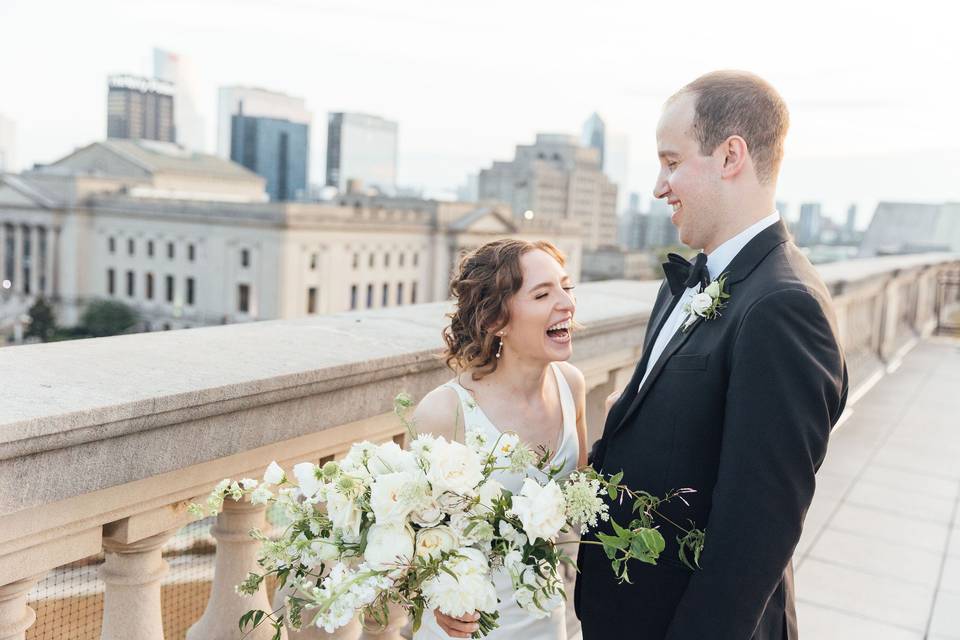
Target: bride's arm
x,y
439,414
578,387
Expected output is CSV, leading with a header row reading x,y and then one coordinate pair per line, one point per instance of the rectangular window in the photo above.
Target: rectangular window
x,y
399,293
353,297
369,296
401,257
170,251
313,262
243,298
130,284
149,286
416,258
356,260
169,288
191,252
190,291
386,259
110,282
386,295
244,257
312,300
413,293
112,244
150,248
370,260
130,246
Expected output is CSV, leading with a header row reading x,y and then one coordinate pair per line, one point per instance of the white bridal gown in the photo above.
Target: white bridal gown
x,y
514,622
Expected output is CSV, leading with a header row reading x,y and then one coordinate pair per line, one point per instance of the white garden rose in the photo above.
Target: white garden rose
x,y
700,303
344,514
541,509
428,514
453,467
388,545
274,474
469,589
308,477
394,495
713,289
433,542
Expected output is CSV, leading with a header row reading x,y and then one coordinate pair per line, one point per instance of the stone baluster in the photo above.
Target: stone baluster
x,y
236,557
131,574
398,620
15,615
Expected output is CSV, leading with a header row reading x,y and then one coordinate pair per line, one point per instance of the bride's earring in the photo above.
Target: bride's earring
x,y
500,348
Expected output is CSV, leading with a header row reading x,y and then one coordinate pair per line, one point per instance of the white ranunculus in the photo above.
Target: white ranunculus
x,y
344,514
388,545
429,514
700,303
541,509
308,478
469,589
274,474
394,495
435,541
453,467
713,289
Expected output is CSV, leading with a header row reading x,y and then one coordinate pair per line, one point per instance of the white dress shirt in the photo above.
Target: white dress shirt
x,y
718,260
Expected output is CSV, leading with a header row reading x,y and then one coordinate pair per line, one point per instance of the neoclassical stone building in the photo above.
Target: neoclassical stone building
x,y
189,240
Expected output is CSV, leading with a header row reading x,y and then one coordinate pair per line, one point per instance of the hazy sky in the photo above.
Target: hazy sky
x,y
872,86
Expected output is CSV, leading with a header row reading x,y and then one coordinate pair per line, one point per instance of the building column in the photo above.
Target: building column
x,y
3,252
50,268
236,557
34,260
131,600
15,615
17,258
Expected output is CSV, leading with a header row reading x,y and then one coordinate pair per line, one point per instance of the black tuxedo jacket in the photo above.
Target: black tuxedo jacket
x,y
739,408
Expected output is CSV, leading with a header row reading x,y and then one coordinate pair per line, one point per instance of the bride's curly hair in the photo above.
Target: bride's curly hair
x,y
485,280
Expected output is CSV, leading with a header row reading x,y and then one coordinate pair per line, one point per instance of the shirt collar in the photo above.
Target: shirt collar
x,y
720,258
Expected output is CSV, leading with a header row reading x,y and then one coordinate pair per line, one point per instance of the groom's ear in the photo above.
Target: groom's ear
x,y
736,156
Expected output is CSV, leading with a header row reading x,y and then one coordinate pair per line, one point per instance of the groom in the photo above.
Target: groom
x,y
736,404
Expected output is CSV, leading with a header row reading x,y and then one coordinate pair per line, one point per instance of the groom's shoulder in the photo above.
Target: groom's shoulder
x,y
786,268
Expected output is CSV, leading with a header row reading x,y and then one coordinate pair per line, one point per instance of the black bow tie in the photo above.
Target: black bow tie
x,y
681,274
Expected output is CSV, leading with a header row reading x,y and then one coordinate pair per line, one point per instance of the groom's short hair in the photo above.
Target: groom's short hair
x,y
740,103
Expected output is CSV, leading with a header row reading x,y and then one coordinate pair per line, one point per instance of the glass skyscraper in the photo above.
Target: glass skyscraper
x,y
361,147
275,149
140,109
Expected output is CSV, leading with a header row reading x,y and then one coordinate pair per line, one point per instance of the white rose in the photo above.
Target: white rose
x,y
394,495
274,474
700,303
469,589
428,514
541,509
344,514
713,289
433,542
388,545
308,477
453,467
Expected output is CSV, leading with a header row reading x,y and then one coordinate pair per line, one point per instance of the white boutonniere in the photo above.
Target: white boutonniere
x,y
707,303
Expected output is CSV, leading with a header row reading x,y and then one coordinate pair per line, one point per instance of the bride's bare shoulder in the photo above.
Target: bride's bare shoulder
x,y
438,412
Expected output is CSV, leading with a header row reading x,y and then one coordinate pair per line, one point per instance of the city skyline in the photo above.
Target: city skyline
x,y
869,121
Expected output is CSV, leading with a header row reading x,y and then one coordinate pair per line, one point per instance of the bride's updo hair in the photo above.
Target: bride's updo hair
x,y
484,282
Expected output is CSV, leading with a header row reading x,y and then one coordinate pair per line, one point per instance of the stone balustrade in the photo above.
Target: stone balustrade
x,y
105,442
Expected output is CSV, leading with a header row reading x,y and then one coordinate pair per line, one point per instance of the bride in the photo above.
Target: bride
x,y
508,341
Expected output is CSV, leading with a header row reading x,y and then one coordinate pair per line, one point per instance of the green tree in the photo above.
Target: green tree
x,y
108,318
43,321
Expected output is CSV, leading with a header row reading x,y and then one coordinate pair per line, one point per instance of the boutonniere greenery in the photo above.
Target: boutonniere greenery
x,y
708,303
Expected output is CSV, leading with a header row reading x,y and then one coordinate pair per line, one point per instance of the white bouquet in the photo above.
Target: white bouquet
x,y
425,528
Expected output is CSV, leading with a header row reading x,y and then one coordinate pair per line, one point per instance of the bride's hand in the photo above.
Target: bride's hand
x,y
457,627
612,399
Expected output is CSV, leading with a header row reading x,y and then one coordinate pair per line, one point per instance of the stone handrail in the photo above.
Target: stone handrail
x,y
104,442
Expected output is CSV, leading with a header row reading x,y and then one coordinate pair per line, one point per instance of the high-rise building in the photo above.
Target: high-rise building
x,y
268,133
851,226
617,166
7,144
594,135
556,178
361,148
178,71
809,223
140,108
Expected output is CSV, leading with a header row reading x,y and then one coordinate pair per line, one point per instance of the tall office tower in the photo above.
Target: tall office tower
x,y
140,108
808,226
556,178
361,147
617,166
594,135
268,133
851,225
7,144
178,71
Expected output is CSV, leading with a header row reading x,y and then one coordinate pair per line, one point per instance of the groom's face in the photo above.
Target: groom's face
x,y
688,180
